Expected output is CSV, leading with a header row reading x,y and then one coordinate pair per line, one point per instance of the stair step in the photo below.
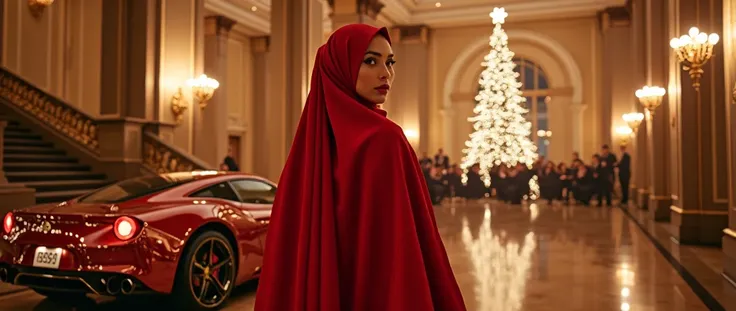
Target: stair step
x,y
48,158
58,196
61,185
15,129
52,176
22,135
31,150
43,166
26,142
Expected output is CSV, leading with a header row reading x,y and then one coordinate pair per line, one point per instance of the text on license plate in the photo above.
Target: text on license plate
x,y
47,257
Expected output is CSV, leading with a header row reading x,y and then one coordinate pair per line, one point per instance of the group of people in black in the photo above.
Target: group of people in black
x,y
579,182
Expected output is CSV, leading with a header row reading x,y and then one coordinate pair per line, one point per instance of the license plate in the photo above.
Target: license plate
x,y
47,257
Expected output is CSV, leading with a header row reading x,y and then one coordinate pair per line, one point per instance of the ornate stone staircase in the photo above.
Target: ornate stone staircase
x,y
61,152
38,164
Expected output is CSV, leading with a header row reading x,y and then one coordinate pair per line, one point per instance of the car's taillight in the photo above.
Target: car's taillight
x,y
125,228
8,222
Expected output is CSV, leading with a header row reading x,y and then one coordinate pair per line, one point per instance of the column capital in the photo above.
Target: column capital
x,y
614,17
370,8
410,34
260,44
217,25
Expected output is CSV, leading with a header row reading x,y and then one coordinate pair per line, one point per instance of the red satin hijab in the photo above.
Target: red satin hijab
x,y
352,226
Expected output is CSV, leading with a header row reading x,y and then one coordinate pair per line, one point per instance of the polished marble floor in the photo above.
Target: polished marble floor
x,y
535,257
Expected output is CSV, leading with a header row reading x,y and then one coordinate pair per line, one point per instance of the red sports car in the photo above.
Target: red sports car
x,y
194,235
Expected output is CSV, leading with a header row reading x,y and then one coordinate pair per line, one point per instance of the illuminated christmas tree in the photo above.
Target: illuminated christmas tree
x,y
502,132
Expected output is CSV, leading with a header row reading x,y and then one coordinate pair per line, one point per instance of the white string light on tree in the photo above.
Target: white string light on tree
x,y
501,135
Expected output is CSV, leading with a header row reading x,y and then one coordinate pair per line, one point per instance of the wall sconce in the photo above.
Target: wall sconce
x,y
203,88
545,134
650,97
624,134
179,105
411,135
693,51
633,120
38,6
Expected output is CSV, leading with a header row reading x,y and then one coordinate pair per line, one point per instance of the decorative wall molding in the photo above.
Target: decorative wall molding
x,y
242,17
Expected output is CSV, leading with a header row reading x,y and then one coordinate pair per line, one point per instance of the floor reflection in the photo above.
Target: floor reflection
x,y
542,257
500,265
517,258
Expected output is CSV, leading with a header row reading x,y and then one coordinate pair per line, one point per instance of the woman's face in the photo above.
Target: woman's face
x,y
376,72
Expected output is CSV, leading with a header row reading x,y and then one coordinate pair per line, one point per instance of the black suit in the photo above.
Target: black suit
x,y
624,176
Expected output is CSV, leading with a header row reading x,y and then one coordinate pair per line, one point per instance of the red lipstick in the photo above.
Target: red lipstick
x,y
383,89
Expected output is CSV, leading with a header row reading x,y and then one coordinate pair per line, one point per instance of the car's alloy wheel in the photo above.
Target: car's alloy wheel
x,y
208,271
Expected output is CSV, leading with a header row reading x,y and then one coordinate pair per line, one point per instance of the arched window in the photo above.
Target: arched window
x,y
535,87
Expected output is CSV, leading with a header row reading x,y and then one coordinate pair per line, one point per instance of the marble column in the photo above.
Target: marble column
x,y
288,79
617,59
210,134
129,82
658,125
354,11
408,102
639,188
699,210
259,50
130,37
729,55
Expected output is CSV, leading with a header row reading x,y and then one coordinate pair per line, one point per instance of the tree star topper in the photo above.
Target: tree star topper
x,y
499,15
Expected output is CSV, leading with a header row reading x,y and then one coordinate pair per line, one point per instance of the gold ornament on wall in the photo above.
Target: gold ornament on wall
x,y
203,88
693,51
38,6
179,105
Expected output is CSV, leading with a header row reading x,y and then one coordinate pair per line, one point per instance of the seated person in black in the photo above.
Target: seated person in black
x,y
550,185
583,183
475,188
453,181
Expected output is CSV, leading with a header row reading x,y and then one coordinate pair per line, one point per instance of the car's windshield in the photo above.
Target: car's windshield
x,y
136,187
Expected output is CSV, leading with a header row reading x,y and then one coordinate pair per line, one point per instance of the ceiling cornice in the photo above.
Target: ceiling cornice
x,y
241,17
519,11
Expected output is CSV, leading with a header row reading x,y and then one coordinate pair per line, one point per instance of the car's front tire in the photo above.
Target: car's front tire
x,y
206,273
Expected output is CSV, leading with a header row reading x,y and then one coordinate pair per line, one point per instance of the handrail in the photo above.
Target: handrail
x,y
160,157
157,155
74,123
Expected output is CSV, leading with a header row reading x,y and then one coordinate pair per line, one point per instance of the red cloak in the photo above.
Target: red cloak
x,y
352,226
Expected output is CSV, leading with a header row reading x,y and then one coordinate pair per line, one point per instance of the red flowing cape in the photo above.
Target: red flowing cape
x,y
352,226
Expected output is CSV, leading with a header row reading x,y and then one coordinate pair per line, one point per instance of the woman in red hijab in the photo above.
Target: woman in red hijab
x,y
353,227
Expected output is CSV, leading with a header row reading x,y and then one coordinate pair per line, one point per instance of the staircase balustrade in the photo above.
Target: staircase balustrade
x,y
155,155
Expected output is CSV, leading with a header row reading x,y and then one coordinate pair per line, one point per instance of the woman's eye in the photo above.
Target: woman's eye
x,y
391,63
369,61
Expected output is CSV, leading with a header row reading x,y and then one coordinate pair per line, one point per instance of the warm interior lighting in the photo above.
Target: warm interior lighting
x,y
411,134
437,5
203,88
633,120
38,6
693,51
543,133
624,134
650,97
254,8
